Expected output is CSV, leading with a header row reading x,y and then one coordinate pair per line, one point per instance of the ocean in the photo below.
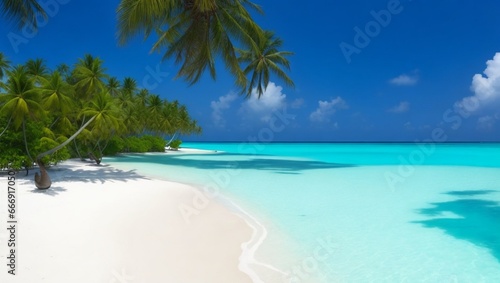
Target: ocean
x,y
355,212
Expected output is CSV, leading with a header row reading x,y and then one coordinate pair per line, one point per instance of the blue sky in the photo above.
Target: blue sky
x,y
365,70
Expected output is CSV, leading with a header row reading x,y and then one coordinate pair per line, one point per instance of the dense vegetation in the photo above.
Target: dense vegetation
x,y
41,109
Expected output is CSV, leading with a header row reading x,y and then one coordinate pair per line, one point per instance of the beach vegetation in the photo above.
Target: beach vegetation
x,y
47,116
175,144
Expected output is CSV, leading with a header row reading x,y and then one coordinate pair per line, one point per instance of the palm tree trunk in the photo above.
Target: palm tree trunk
x,y
8,124
99,159
173,137
97,143
106,145
26,143
41,155
55,121
78,151
43,181
83,121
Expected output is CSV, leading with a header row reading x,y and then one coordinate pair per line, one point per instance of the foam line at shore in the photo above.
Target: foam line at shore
x,y
250,247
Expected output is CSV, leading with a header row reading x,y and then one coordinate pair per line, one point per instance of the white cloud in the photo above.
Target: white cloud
x,y
486,88
263,107
297,103
400,108
326,109
223,103
404,80
486,122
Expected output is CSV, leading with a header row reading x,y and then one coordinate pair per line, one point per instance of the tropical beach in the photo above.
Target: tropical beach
x,y
213,141
123,225
100,224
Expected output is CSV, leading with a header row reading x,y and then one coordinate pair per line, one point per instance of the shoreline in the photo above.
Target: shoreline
x,y
81,188
259,234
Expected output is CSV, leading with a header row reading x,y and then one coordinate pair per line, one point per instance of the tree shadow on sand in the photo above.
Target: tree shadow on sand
x,y
95,174
476,221
52,191
100,175
234,161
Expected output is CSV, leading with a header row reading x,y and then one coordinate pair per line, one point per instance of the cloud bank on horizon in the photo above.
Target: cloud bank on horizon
x,y
486,98
254,111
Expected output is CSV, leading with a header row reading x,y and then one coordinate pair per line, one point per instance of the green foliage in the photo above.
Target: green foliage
x,y
175,144
12,159
134,144
146,143
54,115
23,12
197,34
40,138
262,61
47,144
115,146
12,154
156,144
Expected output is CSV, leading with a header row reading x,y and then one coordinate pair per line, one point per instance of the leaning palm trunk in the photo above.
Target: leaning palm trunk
x,y
26,144
43,181
101,150
6,127
173,137
93,157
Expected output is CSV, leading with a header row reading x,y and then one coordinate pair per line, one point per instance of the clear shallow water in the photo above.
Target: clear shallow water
x,y
360,212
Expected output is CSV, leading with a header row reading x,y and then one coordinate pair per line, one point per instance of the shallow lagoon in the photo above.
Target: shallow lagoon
x,y
388,212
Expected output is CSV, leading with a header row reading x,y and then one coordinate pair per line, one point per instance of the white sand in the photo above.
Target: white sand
x,y
100,224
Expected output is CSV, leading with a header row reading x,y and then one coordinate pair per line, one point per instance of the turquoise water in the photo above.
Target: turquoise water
x,y
359,212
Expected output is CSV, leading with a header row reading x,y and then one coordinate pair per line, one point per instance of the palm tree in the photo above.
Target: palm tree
x,y
125,96
64,70
107,119
264,60
141,102
37,70
43,181
142,97
103,114
129,86
22,100
185,124
4,65
153,110
195,33
57,98
89,76
175,120
22,12
170,118
131,121
113,86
